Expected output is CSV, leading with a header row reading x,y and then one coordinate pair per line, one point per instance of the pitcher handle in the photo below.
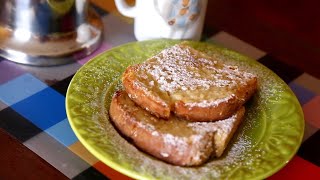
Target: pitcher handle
x,y
125,9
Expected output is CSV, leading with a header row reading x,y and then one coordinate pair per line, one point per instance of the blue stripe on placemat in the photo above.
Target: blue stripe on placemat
x,y
44,109
17,126
63,133
304,95
20,88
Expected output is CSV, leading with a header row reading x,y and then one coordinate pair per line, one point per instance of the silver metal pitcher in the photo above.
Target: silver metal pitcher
x,y
48,32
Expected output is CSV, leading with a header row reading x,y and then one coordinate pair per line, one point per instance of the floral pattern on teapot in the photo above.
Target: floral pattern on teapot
x,y
180,13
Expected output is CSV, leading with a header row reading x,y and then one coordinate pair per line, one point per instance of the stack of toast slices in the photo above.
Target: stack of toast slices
x,y
181,105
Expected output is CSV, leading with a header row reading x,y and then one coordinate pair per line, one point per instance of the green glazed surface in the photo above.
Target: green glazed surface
x,y
268,138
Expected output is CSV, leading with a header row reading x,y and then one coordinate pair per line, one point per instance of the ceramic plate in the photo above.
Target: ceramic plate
x,y
268,138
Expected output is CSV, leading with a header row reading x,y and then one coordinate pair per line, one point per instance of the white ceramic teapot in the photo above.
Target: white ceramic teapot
x,y
174,19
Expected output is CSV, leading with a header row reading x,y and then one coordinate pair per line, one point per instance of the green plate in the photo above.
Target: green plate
x,y
267,139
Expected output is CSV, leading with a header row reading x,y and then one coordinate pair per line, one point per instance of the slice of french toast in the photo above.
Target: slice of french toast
x,y
189,83
176,141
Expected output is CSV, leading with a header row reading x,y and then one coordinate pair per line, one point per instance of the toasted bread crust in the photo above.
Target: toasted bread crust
x,y
189,148
162,104
145,98
216,112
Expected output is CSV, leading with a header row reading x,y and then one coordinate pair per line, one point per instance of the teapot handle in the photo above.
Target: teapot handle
x,y
125,9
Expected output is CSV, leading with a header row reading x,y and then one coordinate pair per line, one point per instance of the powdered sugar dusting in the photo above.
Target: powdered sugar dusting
x,y
182,68
184,145
220,127
175,141
208,103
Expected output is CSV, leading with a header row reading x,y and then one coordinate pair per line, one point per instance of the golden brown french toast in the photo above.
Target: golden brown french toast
x,y
175,140
189,83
